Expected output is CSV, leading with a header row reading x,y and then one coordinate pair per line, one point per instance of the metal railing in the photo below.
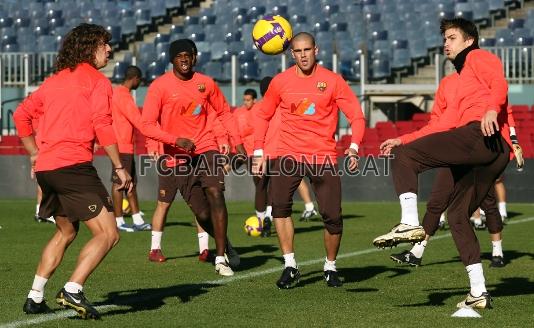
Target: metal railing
x,y
22,69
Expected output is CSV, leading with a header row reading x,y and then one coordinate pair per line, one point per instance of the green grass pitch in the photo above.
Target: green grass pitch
x,y
132,292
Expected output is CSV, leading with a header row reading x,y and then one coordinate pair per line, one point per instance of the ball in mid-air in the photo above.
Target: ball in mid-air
x,y
272,34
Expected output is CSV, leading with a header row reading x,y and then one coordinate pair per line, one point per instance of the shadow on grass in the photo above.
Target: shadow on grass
x,y
352,275
149,299
516,286
246,262
509,256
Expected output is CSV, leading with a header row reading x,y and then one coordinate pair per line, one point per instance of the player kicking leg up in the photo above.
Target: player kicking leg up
x,y
74,107
437,203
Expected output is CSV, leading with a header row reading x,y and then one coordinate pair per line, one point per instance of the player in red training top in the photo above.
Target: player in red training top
x,y
472,139
175,113
308,97
74,108
126,116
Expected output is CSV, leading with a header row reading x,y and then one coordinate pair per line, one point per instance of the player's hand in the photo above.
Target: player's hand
x,y
258,165
126,180
518,152
154,154
33,159
489,124
240,149
353,159
224,149
186,144
388,145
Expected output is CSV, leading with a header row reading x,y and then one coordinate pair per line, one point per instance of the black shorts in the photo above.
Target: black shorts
x,y
325,183
128,162
73,191
190,178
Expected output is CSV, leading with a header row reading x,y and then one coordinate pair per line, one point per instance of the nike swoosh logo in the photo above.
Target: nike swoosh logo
x,y
401,231
77,301
292,275
471,303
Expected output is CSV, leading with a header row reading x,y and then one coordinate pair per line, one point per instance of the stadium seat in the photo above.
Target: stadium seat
x,y
401,59
249,72
487,42
519,108
421,117
119,71
380,67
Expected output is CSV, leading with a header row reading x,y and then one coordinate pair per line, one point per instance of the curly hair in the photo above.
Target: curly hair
x,y
80,45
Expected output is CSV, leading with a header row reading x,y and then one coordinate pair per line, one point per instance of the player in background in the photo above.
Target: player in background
x,y
244,118
175,113
126,116
307,96
472,140
74,108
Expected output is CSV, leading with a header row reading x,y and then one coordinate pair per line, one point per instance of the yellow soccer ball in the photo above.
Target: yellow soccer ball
x,y
272,34
126,206
253,226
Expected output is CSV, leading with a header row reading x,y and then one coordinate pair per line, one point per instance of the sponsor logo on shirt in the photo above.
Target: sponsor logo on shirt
x,y
321,86
304,107
193,109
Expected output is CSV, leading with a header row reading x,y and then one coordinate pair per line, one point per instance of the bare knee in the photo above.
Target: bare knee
x,y
214,193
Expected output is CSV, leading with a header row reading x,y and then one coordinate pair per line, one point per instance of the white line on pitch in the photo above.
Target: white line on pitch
x,y
222,281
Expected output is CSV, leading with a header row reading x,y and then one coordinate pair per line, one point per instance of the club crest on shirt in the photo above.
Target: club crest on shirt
x,y
321,85
304,107
201,87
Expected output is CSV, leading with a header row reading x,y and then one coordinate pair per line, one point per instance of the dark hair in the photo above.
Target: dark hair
x,y
469,29
303,35
264,84
132,72
251,92
80,45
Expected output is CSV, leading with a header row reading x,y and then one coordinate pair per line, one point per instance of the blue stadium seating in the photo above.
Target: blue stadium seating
x,y
340,26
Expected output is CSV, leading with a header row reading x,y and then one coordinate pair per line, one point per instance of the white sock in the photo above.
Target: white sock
x,y
203,241
442,217
137,219
497,248
329,265
37,209
309,206
289,260
408,202
418,249
476,279
260,215
220,259
120,221
502,209
269,211
37,291
482,213
73,287
156,239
